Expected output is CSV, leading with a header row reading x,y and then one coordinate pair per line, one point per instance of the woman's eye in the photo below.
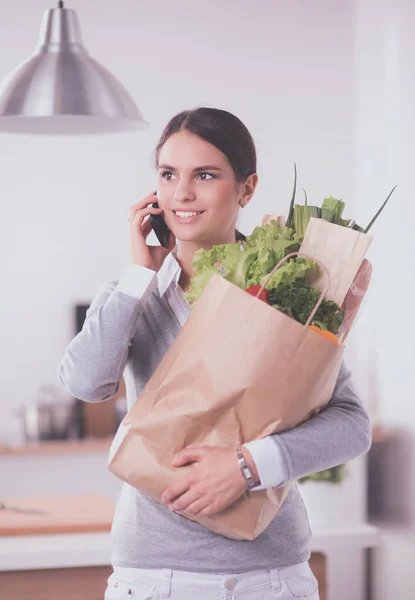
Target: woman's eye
x,y
165,173
168,175
209,174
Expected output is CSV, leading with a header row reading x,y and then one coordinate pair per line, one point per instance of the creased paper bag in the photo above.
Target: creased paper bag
x,y
354,297
239,370
340,249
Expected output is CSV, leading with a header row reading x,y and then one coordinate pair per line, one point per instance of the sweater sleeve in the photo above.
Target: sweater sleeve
x,y
94,361
340,432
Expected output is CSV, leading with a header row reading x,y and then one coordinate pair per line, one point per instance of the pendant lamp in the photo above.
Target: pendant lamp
x,y
61,90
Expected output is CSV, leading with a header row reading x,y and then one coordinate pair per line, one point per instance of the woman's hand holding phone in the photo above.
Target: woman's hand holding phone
x,y
151,257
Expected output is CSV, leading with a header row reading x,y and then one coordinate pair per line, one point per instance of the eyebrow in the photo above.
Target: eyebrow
x,y
202,168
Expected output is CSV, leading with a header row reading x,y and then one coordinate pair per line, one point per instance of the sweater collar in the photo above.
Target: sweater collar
x,y
169,273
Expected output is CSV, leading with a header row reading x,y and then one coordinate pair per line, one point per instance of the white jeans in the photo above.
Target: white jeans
x,y
286,583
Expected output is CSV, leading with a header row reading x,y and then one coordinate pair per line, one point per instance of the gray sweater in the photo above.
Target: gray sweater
x,y
127,335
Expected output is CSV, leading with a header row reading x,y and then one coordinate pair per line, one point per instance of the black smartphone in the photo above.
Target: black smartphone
x,y
160,228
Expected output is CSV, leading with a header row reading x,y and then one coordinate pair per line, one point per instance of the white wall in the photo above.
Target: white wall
x,y
284,68
66,474
385,156
385,97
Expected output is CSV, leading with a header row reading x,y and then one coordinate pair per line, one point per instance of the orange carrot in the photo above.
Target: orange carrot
x,y
327,334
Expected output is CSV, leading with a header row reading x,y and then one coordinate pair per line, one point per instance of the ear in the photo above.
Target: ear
x,y
248,189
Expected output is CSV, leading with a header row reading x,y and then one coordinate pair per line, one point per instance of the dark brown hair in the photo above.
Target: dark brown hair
x,y
221,129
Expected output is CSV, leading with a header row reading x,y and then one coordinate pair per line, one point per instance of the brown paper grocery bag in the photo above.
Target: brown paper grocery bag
x,y
340,249
239,370
354,297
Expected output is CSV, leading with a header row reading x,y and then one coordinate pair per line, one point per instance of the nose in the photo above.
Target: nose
x,y
184,192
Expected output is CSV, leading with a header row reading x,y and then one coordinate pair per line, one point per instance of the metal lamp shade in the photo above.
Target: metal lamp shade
x,y
62,90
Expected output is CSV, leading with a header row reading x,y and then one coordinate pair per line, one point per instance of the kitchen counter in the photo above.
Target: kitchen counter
x,y
56,514
20,553
94,549
73,540
380,434
338,560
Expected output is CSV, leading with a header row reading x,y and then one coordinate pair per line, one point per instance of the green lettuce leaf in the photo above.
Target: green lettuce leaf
x,y
297,268
274,238
248,263
222,259
207,259
198,284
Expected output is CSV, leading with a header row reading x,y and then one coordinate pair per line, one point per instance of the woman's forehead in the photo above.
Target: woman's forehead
x,y
184,150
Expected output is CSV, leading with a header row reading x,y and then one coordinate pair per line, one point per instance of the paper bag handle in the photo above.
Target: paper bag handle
x,y
324,291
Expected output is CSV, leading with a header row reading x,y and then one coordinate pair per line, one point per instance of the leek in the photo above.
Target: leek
x,y
290,217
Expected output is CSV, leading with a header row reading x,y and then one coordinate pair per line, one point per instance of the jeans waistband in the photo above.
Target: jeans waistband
x,y
188,580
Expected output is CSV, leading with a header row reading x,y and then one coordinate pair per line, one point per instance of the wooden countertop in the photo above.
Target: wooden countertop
x,y
380,434
63,514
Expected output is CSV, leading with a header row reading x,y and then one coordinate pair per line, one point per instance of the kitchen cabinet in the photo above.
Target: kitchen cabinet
x,y
76,583
86,583
65,552
76,551
82,560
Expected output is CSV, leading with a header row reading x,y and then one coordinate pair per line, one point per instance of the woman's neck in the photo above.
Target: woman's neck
x,y
185,252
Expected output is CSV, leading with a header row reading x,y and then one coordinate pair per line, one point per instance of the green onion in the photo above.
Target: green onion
x,y
379,211
331,210
290,217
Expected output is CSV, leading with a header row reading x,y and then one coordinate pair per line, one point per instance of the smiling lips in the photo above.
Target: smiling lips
x,y
187,216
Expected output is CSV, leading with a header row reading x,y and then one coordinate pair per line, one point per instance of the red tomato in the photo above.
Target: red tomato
x,y
254,289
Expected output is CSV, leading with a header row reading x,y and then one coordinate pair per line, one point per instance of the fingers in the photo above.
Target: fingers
x,y
176,489
137,218
189,454
145,202
182,502
150,199
146,227
190,503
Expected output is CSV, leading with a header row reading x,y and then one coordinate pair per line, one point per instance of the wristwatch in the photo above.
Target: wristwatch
x,y
246,471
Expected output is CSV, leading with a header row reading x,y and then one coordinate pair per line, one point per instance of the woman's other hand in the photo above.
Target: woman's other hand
x,y
151,257
212,485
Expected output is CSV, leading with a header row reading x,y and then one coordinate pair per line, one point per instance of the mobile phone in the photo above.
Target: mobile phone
x,y
160,228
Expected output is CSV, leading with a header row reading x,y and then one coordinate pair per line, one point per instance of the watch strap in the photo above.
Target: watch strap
x,y
245,469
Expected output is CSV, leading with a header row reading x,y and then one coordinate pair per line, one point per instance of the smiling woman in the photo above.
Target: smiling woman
x,y
206,172
206,164
206,160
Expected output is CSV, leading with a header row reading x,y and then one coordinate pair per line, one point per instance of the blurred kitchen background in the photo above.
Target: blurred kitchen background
x,y
327,84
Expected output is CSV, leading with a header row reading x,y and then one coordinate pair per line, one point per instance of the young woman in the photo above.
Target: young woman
x,y
206,165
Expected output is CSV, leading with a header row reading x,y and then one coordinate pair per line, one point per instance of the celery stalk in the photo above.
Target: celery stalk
x,y
327,215
337,208
290,217
302,216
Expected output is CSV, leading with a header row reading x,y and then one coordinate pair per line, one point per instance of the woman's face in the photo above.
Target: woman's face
x,y
195,177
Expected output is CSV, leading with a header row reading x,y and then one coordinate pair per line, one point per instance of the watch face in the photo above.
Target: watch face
x,y
248,476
